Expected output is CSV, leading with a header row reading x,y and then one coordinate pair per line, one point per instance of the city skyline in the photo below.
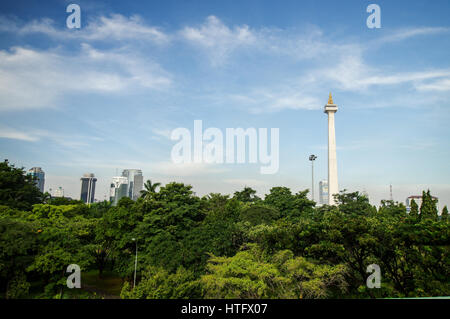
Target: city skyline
x,y
108,95
116,192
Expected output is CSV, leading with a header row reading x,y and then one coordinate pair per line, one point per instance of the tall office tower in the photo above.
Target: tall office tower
x,y
119,188
88,188
39,174
323,192
330,109
135,182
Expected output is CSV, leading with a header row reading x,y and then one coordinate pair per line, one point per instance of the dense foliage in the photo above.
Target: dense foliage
x,y
221,246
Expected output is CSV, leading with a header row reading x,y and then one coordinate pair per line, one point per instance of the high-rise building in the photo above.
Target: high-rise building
x,y
39,174
323,192
135,182
88,188
333,188
118,189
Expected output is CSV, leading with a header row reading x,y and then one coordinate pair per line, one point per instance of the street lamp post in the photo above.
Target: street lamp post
x,y
135,264
312,158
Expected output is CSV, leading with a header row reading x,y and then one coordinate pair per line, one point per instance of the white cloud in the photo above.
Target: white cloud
x,y
403,34
118,27
10,133
45,75
272,100
352,74
37,79
113,28
439,85
36,135
218,39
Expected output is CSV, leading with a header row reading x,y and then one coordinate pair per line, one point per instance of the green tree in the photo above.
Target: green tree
x,y
62,240
260,214
346,238
428,209
113,238
391,209
414,209
157,283
18,243
247,195
246,275
252,274
288,204
17,189
63,201
18,287
150,189
444,215
170,216
354,204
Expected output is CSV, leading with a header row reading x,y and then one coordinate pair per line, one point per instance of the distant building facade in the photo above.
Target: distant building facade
x,y
135,182
88,188
39,174
323,192
59,192
130,185
118,189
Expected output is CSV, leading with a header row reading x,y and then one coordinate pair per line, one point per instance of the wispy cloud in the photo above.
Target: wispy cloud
x,y
353,74
349,72
10,133
115,27
46,75
439,85
407,33
37,135
271,100
218,39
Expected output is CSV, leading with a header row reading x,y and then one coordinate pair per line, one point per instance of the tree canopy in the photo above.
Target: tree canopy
x,y
219,246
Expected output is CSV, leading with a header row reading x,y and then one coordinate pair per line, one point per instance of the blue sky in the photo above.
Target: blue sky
x,y
106,97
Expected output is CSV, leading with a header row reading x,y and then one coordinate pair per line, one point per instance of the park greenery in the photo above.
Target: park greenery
x,y
218,246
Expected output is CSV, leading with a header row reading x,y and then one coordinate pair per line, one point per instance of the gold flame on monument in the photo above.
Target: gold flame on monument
x,y
330,99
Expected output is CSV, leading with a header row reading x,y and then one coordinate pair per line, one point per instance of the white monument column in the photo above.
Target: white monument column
x,y
330,109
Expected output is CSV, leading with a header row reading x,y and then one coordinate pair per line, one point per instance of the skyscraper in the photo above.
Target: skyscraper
x,y
118,189
323,192
330,109
39,174
88,188
135,182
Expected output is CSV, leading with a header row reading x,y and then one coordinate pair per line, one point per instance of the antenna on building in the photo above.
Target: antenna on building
x,y
390,192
